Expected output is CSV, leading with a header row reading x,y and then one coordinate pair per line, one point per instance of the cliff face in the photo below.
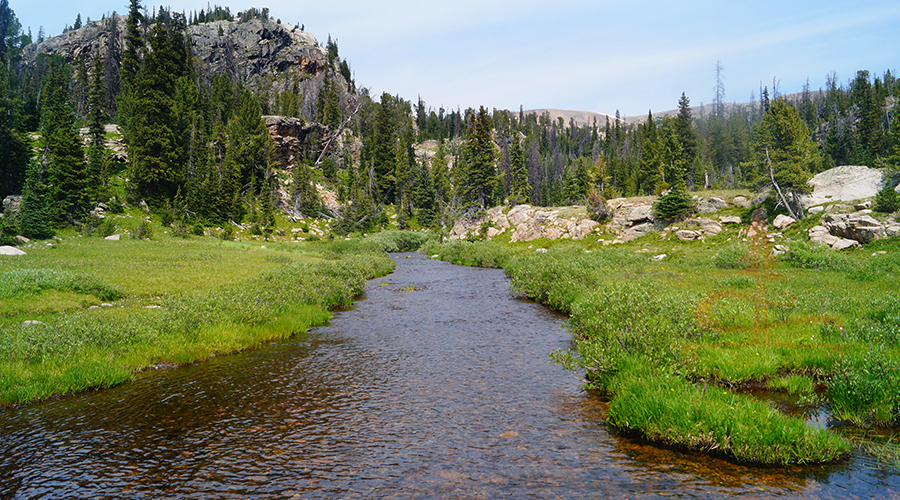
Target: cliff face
x,y
260,54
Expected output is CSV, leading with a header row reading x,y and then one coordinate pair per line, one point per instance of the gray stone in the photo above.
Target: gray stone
x,y
32,322
844,183
519,214
113,237
741,201
687,235
8,250
782,221
636,232
844,243
11,203
20,240
640,213
730,219
815,210
659,257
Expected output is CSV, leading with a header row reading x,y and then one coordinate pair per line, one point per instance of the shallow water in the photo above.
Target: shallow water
x,y
436,384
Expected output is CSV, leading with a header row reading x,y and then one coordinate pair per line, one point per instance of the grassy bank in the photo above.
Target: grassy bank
x,y
105,310
670,341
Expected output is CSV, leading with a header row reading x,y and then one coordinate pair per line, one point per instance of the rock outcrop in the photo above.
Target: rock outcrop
x,y
845,183
526,224
840,231
294,138
256,52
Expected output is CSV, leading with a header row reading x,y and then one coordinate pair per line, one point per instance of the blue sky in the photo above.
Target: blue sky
x,y
601,56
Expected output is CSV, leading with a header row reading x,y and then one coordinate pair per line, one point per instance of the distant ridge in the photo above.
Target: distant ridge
x,y
581,118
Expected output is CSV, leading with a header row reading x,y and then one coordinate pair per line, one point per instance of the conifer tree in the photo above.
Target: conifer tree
x,y
441,174
424,195
96,119
66,169
155,137
482,174
33,218
519,187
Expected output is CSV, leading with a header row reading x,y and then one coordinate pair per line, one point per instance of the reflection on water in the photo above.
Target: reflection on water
x,y
443,389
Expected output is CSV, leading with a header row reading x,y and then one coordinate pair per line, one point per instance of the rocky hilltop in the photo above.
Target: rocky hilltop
x,y
262,54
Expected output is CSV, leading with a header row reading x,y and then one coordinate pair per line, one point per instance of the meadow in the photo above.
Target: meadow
x,y
82,312
676,344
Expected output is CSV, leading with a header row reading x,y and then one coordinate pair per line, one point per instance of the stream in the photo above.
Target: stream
x,y
436,384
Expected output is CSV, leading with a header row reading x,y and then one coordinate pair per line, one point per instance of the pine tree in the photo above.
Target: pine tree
x,y
96,118
156,141
66,171
482,175
304,195
687,136
424,195
34,219
440,173
782,151
519,187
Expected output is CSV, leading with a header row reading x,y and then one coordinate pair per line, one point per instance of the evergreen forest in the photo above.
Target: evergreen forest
x,y
199,152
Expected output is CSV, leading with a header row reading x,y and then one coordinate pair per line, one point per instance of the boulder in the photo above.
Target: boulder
x,y
687,235
844,183
20,240
639,214
860,227
8,250
11,203
113,237
782,221
741,201
584,228
636,232
821,234
493,231
815,210
710,227
730,219
519,214
710,205
845,243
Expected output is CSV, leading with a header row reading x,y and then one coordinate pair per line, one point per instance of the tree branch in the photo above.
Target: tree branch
x,y
777,188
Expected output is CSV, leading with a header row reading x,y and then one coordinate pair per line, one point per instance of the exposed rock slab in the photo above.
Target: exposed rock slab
x,y
845,183
8,250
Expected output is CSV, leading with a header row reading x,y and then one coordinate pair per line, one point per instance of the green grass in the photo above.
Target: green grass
x,y
173,301
670,410
721,311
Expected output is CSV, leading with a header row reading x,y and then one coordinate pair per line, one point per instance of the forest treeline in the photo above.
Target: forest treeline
x,y
199,150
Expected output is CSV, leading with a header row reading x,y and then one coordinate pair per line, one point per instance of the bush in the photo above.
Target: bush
x,y
886,201
598,208
674,205
142,230
227,233
180,229
197,229
732,257
106,228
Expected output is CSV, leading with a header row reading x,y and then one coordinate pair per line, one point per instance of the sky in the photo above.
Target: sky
x,y
633,56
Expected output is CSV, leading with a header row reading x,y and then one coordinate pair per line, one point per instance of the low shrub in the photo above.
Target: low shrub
x,y
674,205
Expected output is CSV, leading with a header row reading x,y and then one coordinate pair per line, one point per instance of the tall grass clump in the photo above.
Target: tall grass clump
x,y
809,255
401,241
668,409
468,253
865,388
20,282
